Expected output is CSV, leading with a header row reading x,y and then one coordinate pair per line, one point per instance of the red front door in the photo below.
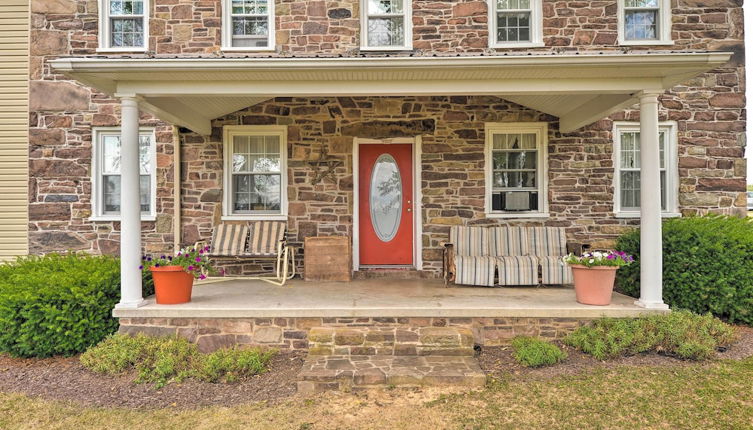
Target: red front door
x,y
385,206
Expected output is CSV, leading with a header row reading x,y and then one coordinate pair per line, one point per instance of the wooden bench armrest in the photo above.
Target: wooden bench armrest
x,y
577,248
448,263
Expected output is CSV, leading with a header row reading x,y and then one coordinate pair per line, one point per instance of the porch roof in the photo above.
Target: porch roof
x,y
579,88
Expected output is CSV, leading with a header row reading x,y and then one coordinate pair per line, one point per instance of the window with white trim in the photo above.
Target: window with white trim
x,y
627,176
106,173
255,171
515,23
386,24
123,25
516,181
248,25
644,22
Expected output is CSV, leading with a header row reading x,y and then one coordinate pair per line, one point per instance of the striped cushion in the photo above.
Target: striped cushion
x,y
229,239
518,270
509,241
547,241
470,240
265,235
554,271
474,270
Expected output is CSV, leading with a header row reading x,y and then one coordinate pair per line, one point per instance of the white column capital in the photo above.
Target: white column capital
x,y
129,98
649,96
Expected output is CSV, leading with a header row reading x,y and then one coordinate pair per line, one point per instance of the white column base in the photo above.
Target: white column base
x,y
130,305
651,305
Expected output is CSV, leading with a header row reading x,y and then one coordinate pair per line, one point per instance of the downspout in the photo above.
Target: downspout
x,y
176,190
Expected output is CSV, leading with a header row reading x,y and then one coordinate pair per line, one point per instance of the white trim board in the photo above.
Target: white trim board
x,y
417,197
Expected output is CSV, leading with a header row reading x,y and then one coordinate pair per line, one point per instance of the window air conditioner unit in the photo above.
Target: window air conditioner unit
x,y
517,201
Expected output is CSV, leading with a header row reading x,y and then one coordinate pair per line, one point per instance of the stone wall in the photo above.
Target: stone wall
x,y
709,110
293,333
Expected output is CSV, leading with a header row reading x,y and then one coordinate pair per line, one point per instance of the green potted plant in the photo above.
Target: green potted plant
x,y
594,274
174,275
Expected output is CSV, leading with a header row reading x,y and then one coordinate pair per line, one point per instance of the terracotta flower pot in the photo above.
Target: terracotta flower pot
x,y
172,284
594,285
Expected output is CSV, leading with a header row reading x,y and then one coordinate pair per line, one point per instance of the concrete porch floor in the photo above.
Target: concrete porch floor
x,y
378,298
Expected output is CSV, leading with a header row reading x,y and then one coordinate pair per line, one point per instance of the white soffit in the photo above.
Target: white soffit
x,y
577,88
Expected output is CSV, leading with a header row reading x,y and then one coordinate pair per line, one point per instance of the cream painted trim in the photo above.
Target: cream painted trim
x,y
407,23
417,212
541,129
227,28
96,189
665,26
228,132
671,167
104,29
537,27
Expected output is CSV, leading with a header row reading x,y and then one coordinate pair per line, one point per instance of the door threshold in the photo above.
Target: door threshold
x,y
386,266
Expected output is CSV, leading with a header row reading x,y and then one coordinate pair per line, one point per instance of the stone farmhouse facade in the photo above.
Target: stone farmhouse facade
x,y
583,181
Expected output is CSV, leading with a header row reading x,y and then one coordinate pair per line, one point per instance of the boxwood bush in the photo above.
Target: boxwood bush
x,y
533,352
708,266
58,304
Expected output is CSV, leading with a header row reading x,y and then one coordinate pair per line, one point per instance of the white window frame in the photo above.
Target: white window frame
x,y
227,196
537,24
664,22
670,166
104,29
96,191
227,29
407,22
542,176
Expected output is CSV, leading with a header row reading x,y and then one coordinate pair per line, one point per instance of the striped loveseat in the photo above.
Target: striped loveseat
x,y
518,255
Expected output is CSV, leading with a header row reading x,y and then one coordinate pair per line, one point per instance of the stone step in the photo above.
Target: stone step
x,y
347,372
390,341
384,273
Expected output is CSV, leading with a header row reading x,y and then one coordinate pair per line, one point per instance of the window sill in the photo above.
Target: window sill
x,y
260,217
386,48
235,49
638,215
121,50
518,215
646,42
111,218
517,45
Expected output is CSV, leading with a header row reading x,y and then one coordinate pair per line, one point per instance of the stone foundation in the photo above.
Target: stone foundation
x,y
293,333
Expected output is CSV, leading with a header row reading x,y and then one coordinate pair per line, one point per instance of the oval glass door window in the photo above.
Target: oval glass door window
x,y
386,197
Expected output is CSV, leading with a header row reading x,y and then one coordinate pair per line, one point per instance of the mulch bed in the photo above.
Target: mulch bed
x,y
498,361
66,379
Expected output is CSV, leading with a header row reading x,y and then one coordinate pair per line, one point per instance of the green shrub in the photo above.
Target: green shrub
x,y
161,360
708,266
681,334
58,304
533,352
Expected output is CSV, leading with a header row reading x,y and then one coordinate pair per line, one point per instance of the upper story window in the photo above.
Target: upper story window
x,y
106,173
248,25
386,25
515,23
123,25
644,22
627,175
516,180
255,172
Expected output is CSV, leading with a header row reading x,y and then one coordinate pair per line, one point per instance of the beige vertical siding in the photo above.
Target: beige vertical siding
x,y
14,128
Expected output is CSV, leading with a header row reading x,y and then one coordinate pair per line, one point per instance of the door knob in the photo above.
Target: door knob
x,y
409,209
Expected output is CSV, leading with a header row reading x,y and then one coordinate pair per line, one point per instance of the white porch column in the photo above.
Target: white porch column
x,y
651,240
130,207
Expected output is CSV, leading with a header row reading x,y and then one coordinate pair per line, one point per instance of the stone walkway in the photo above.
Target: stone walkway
x,y
346,372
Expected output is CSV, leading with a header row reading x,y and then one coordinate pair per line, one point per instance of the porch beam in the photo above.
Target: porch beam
x,y
651,228
593,110
328,88
131,295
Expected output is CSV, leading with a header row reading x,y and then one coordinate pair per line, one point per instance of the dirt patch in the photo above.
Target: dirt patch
x,y
498,361
67,379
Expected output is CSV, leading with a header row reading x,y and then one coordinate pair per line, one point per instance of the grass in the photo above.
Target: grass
x,y
711,396
162,360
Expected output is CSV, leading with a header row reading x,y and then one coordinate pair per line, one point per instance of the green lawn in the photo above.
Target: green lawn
x,y
712,396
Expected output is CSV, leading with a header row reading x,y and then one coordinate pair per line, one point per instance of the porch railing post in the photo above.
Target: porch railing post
x,y
131,295
651,238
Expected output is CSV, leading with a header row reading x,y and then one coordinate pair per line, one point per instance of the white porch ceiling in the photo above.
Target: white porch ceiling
x,y
577,88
